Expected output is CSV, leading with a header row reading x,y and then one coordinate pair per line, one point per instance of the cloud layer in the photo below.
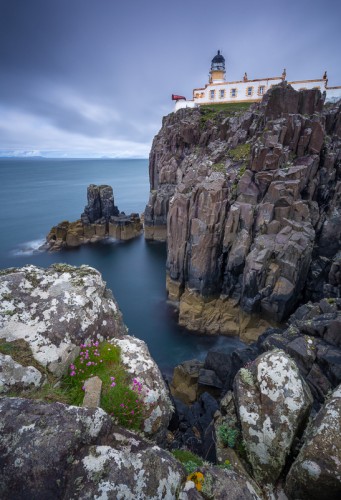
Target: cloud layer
x,y
89,78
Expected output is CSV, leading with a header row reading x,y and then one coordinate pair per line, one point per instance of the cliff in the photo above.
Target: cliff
x,y
248,199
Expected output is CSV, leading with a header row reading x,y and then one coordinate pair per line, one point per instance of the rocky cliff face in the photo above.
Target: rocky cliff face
x,y
249,200
101,219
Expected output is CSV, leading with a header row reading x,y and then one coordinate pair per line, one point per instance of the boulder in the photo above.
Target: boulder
x,y
54,310
184,385
273,404
59,451
137,361
316,472
221,484
14,376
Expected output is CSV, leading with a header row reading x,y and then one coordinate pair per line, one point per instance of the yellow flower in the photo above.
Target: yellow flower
x,y
198,479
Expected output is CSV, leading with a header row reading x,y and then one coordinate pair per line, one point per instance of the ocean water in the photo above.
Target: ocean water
x,y
38,193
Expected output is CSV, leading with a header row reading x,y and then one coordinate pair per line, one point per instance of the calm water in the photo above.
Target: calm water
x,y
38,193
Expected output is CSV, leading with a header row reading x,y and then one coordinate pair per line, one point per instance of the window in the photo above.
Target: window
x,y
212,92
222,93
261,89
233,92
249,91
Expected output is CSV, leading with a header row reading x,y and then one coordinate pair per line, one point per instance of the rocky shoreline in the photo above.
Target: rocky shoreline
x,y
100,220
249,202
267,416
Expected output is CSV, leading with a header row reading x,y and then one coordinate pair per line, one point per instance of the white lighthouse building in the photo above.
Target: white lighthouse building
x,y
218,90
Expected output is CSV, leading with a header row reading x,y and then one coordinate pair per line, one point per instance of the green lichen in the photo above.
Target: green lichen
x,y
246,376
207,487
8,312
241,152
227,435
219,167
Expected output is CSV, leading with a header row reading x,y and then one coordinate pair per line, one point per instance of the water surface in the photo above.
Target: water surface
x,y
38,193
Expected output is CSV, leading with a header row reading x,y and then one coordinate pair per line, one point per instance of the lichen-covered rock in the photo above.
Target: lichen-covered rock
x,y
273,404
56,309
57,451
220,484
313,340
137,361
15,376
316,472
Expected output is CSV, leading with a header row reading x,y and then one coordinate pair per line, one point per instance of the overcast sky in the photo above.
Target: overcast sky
x,y
94,77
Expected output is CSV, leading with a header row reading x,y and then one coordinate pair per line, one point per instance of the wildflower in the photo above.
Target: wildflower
x,y
83,388
112,384
112,378
72,374
89,363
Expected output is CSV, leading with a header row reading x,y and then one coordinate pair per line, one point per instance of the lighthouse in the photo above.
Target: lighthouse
x,y
217,73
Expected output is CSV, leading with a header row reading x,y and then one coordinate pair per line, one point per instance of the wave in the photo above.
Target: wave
x,y
29,248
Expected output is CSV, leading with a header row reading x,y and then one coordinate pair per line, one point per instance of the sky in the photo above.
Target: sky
x,y
93,78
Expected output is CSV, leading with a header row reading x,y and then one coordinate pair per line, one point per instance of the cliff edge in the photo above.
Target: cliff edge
x,y
248,198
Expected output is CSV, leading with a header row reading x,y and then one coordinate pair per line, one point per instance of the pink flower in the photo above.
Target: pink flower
x,y
83,388
112,378
112,384
72,367
89,363
132,412
72,374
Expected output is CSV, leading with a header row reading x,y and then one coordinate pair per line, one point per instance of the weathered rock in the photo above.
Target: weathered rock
x,y
251,204
59,451
313,341
184,385
15,376
101,219
316,472
100,203
219,316
137,361
56,309
273,404
92,392
218,483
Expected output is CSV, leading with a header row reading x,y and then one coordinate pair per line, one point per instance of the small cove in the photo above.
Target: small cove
x,y
38,193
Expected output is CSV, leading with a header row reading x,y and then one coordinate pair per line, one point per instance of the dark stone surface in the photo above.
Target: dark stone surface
x,y
100,204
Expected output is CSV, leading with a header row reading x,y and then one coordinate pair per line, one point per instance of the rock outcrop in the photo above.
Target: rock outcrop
x,y
46,314
54,310
316,472
273,404
101,219
57,451
313,340
249,201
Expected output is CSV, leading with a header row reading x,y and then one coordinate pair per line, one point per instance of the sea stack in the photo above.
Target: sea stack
x,y
101,219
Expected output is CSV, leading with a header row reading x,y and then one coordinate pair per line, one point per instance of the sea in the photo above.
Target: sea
x,y
37,193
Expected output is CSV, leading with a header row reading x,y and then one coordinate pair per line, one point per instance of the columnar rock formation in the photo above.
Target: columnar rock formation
x,y
250,203
101,219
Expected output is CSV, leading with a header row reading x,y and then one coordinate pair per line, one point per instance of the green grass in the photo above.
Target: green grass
x,y
212,111
241,152
189,460
219,167
118,397
121,397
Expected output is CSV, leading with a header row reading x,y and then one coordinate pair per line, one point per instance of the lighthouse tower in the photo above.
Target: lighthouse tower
x,y
217,73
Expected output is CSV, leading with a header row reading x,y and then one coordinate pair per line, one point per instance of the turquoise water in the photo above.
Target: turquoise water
x,y
36,194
